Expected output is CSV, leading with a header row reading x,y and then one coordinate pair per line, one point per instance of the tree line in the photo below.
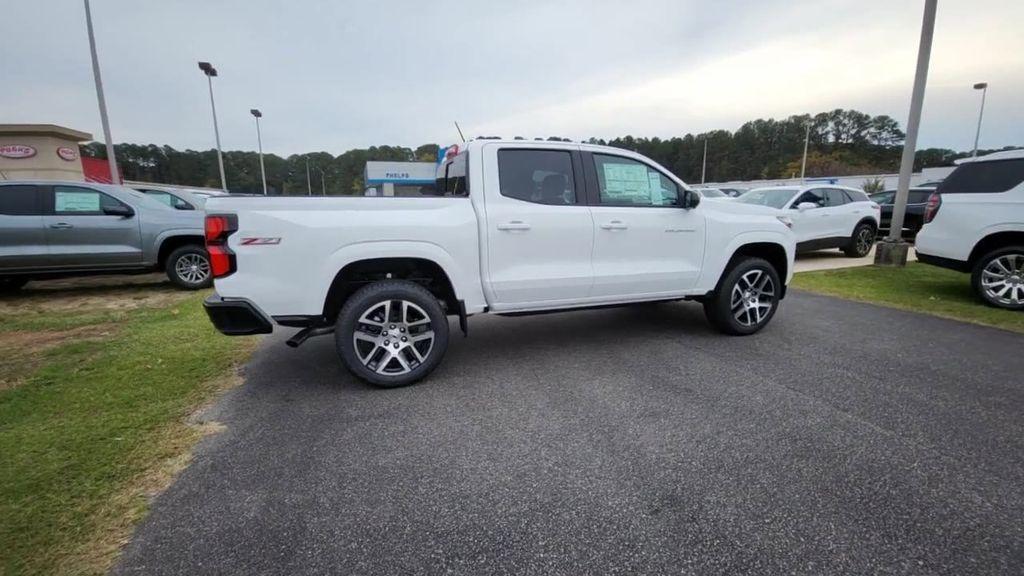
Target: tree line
x,y
841,142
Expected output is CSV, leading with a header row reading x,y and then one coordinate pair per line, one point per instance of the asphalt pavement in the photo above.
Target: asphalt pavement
x,y
843,439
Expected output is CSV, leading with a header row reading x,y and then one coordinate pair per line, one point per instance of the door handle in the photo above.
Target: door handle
x,y
61,226
514,225
614,225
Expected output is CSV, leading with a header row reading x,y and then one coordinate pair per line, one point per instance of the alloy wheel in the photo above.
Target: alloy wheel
x,y
865,237
393,337
193,268
752,297
1002,279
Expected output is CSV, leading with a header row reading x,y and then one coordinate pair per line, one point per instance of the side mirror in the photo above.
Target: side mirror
x,y
119,210
805,206
690,199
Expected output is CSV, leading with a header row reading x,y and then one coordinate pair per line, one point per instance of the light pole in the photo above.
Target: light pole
x,y
210,72
309,185
323,182
704,164
115,176
893,251
259,141
983,86
807,139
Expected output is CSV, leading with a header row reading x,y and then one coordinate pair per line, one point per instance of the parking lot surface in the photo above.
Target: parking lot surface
x,y
845,438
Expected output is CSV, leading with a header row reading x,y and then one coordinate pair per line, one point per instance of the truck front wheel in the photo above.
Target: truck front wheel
x,y
746,297
391,333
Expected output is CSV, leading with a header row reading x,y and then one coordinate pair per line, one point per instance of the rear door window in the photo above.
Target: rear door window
x,y
984,177
538,176
835,197
20,200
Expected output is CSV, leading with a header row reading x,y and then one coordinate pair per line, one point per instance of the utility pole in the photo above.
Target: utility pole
x,y
983,86
704,165
259,141
323,182
893,250
807,140
309,185
115,176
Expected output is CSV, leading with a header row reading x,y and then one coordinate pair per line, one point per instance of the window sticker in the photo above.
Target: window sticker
x,y
77,201
627,183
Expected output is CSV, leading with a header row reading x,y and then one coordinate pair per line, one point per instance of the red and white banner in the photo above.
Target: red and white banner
x,y
16,151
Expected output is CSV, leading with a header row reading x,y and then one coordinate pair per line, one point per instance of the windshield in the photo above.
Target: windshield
x,y
711,193
773,197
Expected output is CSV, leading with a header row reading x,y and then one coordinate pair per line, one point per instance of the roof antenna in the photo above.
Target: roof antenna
x,y
460,131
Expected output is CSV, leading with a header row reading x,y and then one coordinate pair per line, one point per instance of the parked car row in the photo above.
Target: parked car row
x,y
54,229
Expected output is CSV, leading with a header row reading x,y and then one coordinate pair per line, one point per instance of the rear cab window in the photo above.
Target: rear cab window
x,y
453,176
538,176
20,200
993,176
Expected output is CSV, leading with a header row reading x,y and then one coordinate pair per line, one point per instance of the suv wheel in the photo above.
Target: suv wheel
x,y
188,267
998,278
391,333
746,297
861,241
12,284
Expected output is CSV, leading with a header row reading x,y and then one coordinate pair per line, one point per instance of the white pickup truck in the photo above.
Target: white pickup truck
x,y
515,227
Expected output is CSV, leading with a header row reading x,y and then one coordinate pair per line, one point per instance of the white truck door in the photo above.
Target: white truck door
x,y
539,228
645,244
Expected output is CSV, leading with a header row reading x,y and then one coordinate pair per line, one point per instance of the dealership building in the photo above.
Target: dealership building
x,y
399,178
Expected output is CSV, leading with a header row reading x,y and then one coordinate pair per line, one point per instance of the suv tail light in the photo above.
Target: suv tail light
x,y
218,228
932,208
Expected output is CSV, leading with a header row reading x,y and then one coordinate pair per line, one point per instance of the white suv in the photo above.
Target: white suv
x,y
824,216
974,222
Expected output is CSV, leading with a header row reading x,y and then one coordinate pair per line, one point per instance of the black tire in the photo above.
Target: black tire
x,y
861,241
411,361
12,284
1014,298
184,276
719,308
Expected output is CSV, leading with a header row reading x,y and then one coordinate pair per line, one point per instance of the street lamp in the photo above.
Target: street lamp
x,y
807,140
115,176
210,72
704,163
983,86
323,182
259,140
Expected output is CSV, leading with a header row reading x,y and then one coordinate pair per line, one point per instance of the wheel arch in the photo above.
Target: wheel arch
x,y
423,271
995,241
172,242
773,252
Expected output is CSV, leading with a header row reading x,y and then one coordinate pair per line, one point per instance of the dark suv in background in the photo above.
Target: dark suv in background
x,y
57,229
914,219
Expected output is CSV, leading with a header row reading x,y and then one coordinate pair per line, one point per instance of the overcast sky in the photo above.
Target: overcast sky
x,y
333,75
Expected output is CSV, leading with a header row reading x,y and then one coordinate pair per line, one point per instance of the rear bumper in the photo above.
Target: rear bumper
x,y
958,265
236,317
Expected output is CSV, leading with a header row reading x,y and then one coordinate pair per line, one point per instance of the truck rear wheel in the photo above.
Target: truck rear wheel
x,y
391,333
746,297
998,278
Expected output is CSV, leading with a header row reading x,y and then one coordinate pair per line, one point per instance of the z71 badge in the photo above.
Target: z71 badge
x,y
260,241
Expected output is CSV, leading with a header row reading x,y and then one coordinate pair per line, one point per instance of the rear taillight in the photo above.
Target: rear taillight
x,y
218,228
932,208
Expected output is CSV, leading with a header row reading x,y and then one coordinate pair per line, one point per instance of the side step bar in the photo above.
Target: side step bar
x,y
307,333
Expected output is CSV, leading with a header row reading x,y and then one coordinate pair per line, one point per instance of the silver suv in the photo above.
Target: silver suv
x,y
52,229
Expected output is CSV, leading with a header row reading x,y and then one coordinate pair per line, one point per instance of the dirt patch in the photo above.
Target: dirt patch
x,y
93,293
22,352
